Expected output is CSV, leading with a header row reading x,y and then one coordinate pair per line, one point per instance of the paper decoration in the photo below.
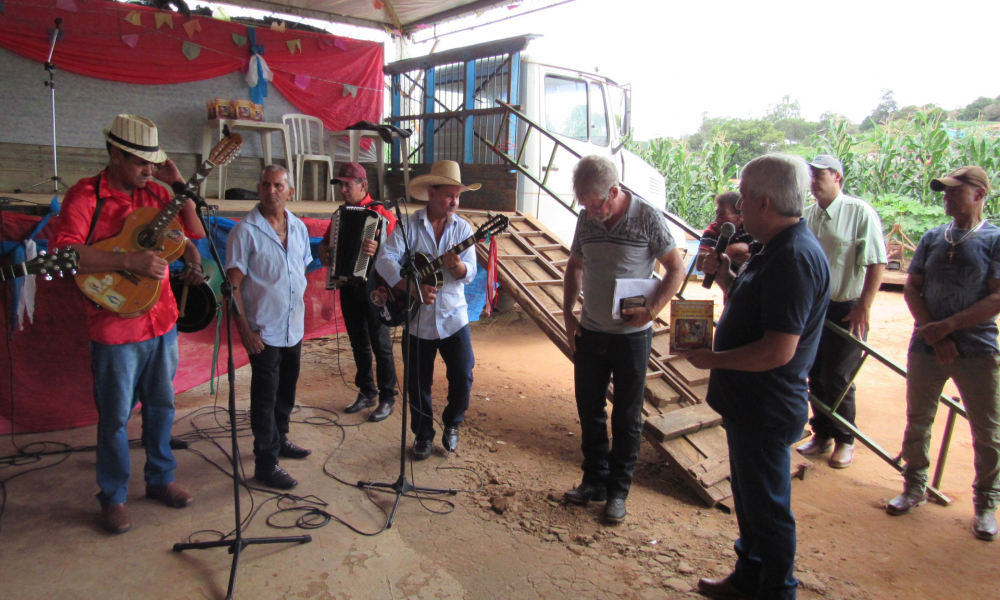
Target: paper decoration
x,y
162,18
340,43
378,4
191,50
293,44
192,26
134,17
66,5
302,81
239,40
351,90
278,26
221,14
131,39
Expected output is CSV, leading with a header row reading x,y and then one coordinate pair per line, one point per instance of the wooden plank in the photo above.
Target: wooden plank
x,y
684,421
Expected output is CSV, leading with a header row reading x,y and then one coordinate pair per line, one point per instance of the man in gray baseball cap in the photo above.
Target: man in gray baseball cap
x,y
850,232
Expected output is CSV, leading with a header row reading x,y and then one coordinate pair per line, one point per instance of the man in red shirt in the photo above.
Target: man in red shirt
x,y
365,331
132,360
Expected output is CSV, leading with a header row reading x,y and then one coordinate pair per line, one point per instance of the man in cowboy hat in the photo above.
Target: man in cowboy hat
x,y
953,292
442,323
364,329
133,360
618,236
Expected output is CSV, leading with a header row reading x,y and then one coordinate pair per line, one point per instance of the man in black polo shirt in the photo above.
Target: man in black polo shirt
x,y
764,345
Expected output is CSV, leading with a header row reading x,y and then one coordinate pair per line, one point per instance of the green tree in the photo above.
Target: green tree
x,y
796,130
752,137
974,109
882,113
786,109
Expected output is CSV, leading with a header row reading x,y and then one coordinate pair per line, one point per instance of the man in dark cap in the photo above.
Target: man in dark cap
x,y
953,292
366,332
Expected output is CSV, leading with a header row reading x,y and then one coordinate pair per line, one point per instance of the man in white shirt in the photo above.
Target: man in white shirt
x,y
442,323
267,254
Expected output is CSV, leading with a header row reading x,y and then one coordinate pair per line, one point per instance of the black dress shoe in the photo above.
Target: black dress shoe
x,y
721,589
585,493
360,404
422,449
382,412
614,510
276,478
290,450
450,439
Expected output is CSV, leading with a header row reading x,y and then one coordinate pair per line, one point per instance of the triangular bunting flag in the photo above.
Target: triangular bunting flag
x,y
162,18
293,44
278,26
377,5
191,50
134,17
351,90
239,40
340,43
131,39
302,81
192,26
66,5
221,14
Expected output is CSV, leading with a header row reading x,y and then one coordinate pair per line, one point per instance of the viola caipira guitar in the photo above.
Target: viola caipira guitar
x,y
148,228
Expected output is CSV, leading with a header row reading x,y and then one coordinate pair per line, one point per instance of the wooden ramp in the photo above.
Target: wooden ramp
x,y
678,422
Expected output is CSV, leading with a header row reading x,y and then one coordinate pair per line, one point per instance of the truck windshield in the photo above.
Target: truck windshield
x,y
566,107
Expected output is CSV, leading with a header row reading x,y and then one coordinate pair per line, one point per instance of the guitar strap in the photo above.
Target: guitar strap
x,y
97,211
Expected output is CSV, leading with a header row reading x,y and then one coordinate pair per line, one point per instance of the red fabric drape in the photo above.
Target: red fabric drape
x,y
93,45
45,380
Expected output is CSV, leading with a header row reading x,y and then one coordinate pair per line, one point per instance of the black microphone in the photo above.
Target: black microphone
x,y
388,204
727,231
182,188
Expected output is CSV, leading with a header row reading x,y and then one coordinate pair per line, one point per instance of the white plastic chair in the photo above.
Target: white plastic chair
x,y
308,145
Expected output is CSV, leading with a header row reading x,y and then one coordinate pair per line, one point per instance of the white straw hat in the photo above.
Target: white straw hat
x,y
136,135
443,172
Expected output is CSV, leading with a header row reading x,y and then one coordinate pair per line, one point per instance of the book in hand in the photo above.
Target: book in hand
x,y
691,325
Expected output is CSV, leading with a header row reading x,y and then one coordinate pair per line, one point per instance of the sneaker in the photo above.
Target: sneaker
x,y
843,455
816,446
902,504
985,525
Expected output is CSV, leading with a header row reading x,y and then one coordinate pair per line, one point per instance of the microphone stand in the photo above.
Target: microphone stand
x,y
401,486
51,84
238,543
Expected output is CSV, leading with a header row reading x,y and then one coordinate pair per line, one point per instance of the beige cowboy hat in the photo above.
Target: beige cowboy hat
x,y
443,172
136,135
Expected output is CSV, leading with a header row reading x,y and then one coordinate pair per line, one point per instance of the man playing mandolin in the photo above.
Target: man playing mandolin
x,y
442,323
132,359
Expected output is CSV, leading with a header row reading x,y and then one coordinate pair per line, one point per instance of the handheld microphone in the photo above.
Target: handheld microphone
x,y
728,230
388,204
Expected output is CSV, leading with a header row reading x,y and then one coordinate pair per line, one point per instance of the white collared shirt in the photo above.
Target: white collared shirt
x,y
274,283
449,313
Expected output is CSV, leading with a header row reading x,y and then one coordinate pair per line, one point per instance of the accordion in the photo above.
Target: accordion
x,y
349,227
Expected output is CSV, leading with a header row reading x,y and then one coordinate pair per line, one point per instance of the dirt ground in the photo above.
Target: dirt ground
x,y
505,534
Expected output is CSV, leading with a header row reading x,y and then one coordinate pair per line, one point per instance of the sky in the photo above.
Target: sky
x,y
731,58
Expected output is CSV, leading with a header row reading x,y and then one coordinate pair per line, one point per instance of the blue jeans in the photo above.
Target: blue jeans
x,y
125,375
274,377
599,357
759,464
456,351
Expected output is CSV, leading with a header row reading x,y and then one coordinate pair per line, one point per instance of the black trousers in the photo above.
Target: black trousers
x,y
459,360
830,375
274,375
599,358
367,335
